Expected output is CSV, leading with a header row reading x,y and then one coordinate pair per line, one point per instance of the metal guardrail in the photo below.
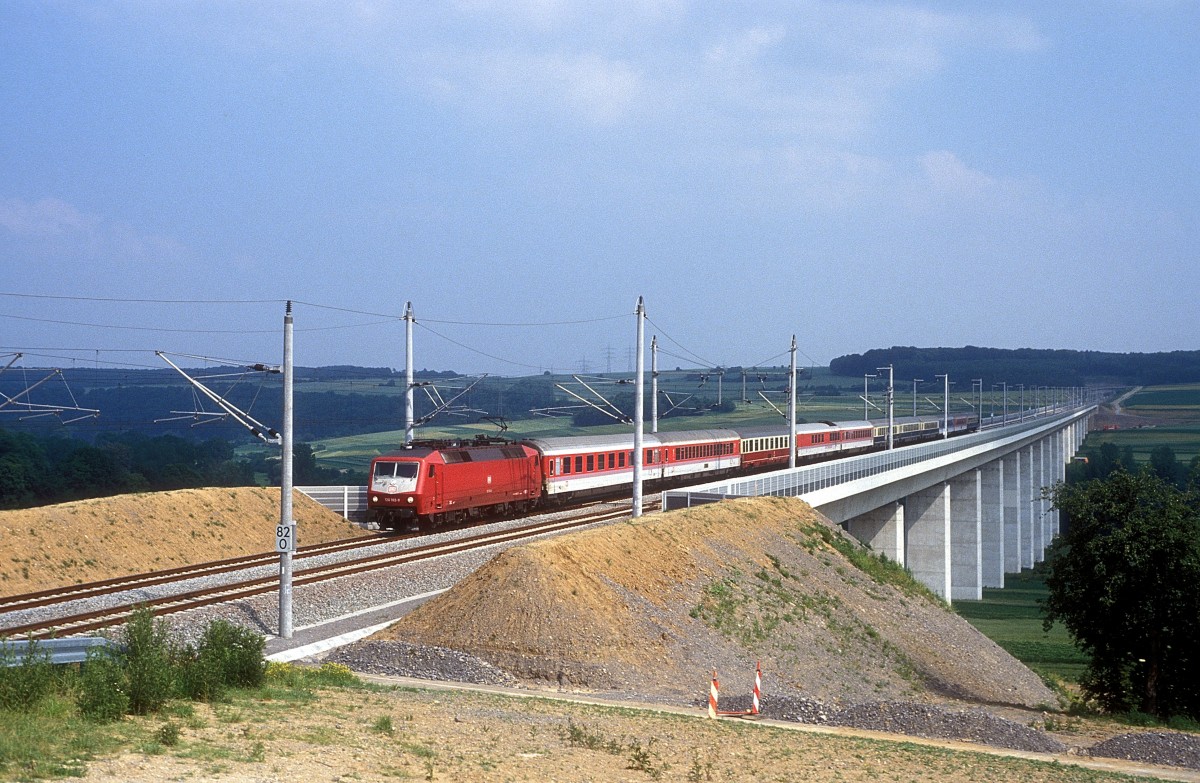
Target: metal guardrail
x,y
348,500
72,649
803,480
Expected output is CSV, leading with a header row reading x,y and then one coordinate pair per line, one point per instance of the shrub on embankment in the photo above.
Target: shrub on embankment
x,y
140,673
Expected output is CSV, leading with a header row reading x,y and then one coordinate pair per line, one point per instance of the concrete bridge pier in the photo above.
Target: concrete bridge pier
x,y
991,490
882,530
927,533
1040,464
966,536
1013,516
1028,509
1060,474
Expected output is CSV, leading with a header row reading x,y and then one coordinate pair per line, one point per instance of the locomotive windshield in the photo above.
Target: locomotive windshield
x,y
387,470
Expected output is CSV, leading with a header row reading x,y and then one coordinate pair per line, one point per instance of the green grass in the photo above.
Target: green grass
x,y
51,739
1013,619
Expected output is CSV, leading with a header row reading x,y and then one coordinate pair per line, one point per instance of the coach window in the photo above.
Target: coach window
x,y
579,464
612,460
591,464
621,460
566,466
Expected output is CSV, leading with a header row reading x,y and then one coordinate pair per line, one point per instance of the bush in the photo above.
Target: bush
x,y
24,684
238,652
103,687
148,662
229,656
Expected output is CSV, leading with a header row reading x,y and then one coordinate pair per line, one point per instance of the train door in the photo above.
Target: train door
x,y
435,486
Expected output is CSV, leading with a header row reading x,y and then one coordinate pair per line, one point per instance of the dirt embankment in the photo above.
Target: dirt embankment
x,y
652,607
69,543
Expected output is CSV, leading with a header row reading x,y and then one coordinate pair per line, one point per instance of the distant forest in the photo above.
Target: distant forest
x,y
38,470
1028,366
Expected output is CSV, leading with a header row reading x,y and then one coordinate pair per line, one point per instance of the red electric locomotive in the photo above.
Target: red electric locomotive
x,y
438,482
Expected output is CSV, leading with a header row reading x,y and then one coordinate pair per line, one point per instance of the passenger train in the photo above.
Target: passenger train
x,y
441,482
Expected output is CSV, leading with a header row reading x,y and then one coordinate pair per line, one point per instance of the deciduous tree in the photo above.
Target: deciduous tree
x,y
1125,581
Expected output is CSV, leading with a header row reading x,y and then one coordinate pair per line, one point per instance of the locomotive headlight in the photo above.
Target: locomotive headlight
x,y
374,498
410,498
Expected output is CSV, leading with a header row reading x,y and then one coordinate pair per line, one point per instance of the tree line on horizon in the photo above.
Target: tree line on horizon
x,y
40,470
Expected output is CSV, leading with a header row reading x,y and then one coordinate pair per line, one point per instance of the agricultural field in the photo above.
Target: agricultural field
x,y
1168,415
1176,404
1012,618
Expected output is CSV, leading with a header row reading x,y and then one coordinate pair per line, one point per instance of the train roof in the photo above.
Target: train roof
x,y
574,443
416,452
479,450
624,442
907,420
696,436
774,430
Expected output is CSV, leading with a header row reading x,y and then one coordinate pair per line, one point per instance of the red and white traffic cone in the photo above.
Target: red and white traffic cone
x,y
712,696
757,686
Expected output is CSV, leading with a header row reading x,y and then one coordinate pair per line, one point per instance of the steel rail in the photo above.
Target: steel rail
x,y
119,584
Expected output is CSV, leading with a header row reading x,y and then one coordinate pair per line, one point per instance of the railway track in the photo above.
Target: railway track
x,y
247,588
59,595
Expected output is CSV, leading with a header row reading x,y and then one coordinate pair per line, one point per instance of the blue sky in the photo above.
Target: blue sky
x,y
1008,174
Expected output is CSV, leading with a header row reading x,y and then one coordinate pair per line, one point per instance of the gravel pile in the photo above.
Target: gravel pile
x,y
777,707
927,720
1153,747
911,719
398,659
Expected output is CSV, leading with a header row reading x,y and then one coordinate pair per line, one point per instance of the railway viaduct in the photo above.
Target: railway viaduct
x,y
959,513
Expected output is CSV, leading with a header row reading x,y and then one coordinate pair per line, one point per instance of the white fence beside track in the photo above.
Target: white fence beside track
x,y
348,500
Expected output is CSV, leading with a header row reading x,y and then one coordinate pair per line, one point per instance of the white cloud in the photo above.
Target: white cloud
x,y
746,46
47,217
56,227
946,173
524,85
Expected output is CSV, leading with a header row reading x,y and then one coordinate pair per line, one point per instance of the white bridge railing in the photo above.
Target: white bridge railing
x,y
348,500
812,478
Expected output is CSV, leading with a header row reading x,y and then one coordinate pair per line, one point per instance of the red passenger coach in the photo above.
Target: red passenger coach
x,y
767,447
597,465
440,482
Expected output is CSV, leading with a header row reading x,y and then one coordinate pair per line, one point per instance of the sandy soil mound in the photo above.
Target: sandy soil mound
x,y
47,547
653,607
